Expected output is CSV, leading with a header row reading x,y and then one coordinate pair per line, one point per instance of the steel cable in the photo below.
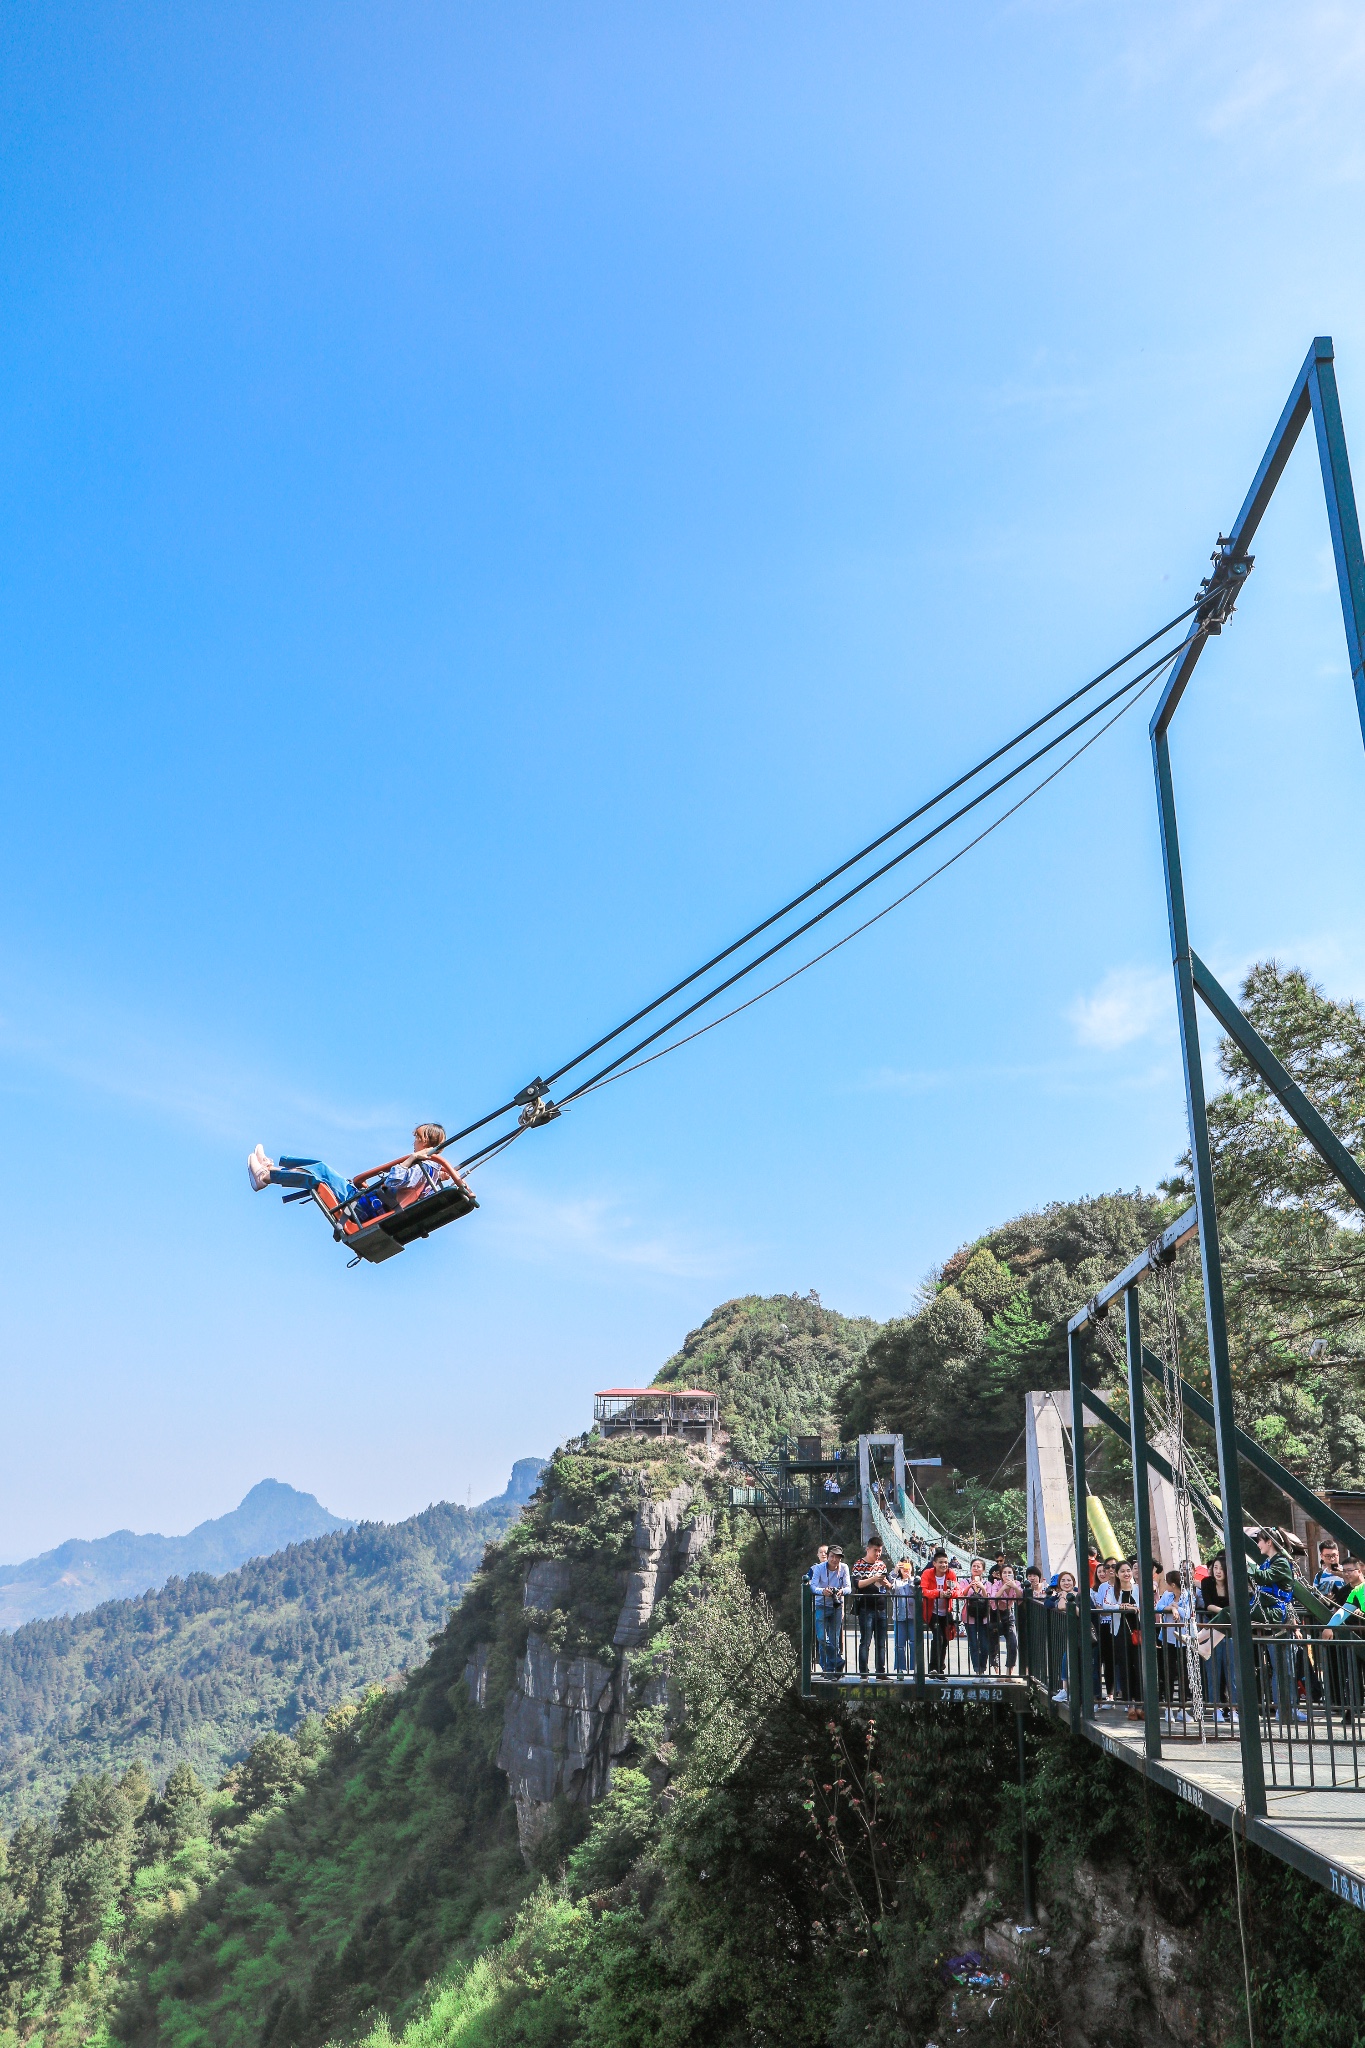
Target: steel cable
x,y
617,1072
852,861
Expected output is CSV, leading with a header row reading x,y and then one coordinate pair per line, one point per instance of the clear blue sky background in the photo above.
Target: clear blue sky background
x,y
492,500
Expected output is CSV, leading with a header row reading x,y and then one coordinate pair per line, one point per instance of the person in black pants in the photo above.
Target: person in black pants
x,y
1128,1645
871,1584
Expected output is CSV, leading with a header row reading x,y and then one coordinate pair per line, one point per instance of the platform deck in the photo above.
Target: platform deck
x,y
1319,1828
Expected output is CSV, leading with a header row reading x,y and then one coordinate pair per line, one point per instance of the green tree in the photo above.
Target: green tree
x,y
992,1324
93,1856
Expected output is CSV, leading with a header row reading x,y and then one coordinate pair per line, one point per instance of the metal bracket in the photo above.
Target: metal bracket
x,y
1219,593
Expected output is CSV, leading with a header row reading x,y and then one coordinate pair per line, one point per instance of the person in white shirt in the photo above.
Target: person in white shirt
x,y
1104,1605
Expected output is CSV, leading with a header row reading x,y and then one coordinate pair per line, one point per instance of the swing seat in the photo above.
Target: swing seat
x,y
383,1237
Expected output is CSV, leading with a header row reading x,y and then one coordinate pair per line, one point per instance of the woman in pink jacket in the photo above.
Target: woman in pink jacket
x,y
1005,1595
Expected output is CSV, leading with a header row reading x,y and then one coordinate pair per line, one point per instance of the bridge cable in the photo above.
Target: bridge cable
x,y
858,930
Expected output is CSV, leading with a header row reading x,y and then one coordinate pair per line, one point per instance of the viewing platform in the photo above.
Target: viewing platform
x,y
1311,1740
691,1412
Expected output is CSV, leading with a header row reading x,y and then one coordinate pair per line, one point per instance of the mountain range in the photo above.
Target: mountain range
x,y
196,1671
80,1574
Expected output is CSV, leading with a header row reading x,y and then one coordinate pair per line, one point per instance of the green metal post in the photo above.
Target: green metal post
x,y
1082,1681
1142,1521
1341,509
1030,1909
1220,1371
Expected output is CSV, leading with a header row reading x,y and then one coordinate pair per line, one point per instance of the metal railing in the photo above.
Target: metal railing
x,y
859,1639
1310,1692
1310,1688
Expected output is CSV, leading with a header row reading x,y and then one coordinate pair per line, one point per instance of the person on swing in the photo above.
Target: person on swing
x,y
419,1172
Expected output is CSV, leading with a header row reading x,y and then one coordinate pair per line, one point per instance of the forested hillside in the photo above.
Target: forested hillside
x,y
779,1363
756,1870
196,1672
81,1573
991,1322
599,1814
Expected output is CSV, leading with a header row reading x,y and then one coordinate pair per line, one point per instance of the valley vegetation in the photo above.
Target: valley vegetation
x,y
196,1672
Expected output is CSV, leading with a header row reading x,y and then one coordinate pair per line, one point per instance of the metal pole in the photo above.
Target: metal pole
x,y
1341,509
1220,1372
1075,1687
1083,1681
1142,1521
807,1636
1030,1909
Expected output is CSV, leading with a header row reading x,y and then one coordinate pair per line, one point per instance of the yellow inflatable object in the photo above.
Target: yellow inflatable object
x,y
1101,1528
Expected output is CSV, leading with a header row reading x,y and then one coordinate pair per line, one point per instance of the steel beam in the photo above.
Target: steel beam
x,y
1220,1372
1102,1412
1281,1083
1156,1254
1233,549
1314,391
1341,510
1269,1468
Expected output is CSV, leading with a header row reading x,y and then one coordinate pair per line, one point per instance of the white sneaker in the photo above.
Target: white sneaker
x,y
259,1168
1059,1699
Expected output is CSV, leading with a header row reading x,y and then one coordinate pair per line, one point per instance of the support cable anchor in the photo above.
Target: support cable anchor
x,y
1218,593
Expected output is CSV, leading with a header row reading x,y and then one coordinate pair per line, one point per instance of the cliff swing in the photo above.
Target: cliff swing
x,y
387,1207
383,1208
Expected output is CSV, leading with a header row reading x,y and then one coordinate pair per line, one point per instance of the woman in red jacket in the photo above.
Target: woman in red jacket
x,y
939,1588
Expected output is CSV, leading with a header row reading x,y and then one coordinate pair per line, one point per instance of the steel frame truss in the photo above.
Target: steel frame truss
x,y
1315,392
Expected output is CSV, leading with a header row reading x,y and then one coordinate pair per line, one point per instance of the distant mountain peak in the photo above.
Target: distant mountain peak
x,y
525,1478
80,1574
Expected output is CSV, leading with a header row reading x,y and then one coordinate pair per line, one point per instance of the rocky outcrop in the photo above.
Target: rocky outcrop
x,y
565,1721
476,1675
546,1583
664,1547
564,1724
1123,1969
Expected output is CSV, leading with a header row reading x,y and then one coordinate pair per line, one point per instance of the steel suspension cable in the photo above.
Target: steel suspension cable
x,y
930,803
618,1071
934,831
886,910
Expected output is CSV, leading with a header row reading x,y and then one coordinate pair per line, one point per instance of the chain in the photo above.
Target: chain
x,y
1181,1460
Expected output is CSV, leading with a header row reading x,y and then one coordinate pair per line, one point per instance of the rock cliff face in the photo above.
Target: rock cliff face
x,y
565,1721
664,1547
1118,1968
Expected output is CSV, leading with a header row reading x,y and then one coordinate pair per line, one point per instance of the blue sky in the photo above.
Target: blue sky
x,y
493,500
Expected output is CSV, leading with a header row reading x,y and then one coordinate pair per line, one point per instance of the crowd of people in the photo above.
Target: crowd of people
x,y
982,1602
889,1602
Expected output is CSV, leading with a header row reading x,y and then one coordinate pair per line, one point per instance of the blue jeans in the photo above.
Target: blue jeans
x,y
871,1628
829,1630
1284,1684
311,1173
978,1645
904,1629
1221,1668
